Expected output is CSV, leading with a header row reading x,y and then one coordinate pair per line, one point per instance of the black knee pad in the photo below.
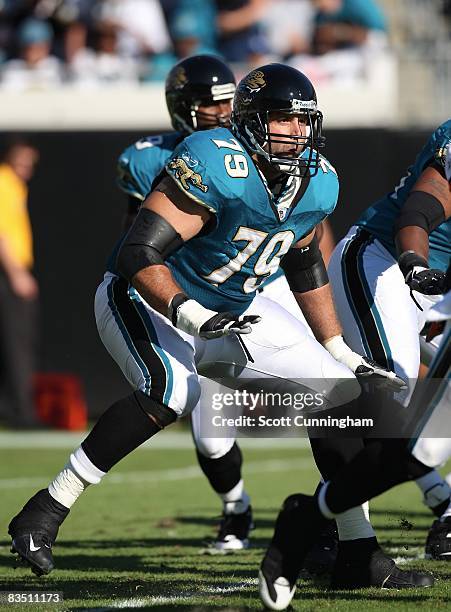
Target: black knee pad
x,y
223,473
162,415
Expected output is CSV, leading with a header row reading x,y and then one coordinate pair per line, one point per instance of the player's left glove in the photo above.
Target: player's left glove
x,y
419,277
365,370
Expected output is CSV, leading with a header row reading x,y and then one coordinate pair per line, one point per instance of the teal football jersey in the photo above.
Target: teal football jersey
x,y
140,164
379,218
137,168
223,266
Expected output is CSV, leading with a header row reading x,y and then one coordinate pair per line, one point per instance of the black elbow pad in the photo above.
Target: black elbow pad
x,y
422,210
148,242
304,268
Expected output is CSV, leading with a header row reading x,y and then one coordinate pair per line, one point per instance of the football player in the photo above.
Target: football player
x,y
428,441
199,92
182,290
386,274
302,518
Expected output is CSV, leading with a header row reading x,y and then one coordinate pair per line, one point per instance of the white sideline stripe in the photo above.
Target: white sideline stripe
x,y
156,600
402,560
173,440
158,476
406,558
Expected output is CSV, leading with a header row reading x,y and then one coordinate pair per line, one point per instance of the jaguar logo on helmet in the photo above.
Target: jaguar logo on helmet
x,y
255,81
178,79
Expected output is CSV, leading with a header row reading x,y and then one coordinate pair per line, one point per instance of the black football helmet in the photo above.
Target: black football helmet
x,y
277,87
198,80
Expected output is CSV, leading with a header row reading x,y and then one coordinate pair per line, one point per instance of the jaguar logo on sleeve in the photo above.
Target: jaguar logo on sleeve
x,y
186,175
443,157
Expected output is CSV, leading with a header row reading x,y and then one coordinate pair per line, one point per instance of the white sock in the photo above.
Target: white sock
x,y
355,523
324,508
235,501
435,489
73,479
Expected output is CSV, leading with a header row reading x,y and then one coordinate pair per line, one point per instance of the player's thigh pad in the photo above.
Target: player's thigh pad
x,y
154,357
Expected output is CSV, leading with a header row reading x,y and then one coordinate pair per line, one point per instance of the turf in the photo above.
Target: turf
x,y
139,540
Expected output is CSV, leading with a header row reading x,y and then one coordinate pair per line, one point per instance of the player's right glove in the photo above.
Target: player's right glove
x,y
418,276
365,370
191,317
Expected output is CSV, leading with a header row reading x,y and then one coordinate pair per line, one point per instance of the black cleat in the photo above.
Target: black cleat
x,y
360,568
234,531
36,549
34,530
297,525
438,543
322,556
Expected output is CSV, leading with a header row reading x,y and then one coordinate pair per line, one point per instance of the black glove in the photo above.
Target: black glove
x,y
365,370
427,281
225,323
371,372
419,276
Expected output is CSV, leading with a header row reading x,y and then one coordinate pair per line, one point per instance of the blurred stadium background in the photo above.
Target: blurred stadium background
x,y
102,87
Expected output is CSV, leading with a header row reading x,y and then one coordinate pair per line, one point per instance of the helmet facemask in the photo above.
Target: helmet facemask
x,y
189,122
255,129
209,120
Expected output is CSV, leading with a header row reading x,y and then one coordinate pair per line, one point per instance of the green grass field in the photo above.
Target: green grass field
x,y
139,539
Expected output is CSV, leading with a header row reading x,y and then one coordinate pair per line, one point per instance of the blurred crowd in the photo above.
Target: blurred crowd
x,y
88,43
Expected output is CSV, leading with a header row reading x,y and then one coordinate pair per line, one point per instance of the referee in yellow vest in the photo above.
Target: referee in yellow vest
x,y
18,287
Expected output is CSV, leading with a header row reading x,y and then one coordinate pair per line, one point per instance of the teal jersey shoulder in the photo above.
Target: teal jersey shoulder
x,y
250,229
140,164
380,217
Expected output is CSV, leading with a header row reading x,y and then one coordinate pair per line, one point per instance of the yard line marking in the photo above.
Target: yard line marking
x,y
155,600
158,476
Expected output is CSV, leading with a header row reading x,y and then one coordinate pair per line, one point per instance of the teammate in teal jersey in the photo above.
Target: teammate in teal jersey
x,y
382,219
199,92
234,204
431,437
386,274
